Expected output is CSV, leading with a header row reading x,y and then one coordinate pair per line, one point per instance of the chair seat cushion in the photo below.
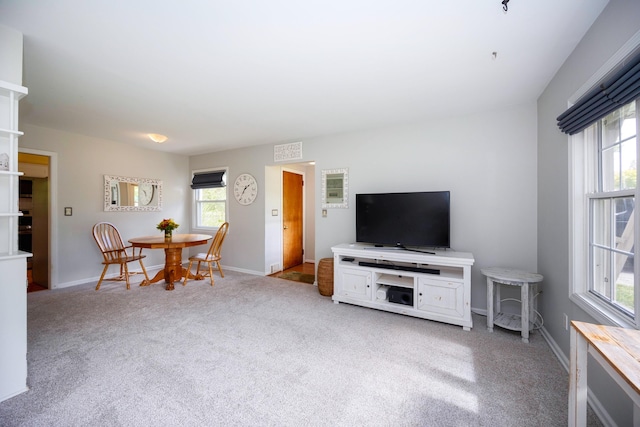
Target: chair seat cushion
x,y
124,259
202,257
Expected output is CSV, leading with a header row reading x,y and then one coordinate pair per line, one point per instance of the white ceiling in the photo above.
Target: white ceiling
x,y
213,75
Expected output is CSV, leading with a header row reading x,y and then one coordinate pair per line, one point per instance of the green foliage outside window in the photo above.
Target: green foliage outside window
x,y
211,204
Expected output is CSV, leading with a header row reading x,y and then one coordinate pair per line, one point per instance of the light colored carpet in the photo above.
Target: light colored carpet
x,y
262,351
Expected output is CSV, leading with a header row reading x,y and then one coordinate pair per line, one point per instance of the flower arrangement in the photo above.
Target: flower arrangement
x,y
167,225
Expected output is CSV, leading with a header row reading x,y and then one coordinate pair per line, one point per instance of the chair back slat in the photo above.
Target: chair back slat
x,y
216,245
114,251
109,241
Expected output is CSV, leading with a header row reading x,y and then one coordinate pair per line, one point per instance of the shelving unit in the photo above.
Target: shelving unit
x,y
444,297
13,261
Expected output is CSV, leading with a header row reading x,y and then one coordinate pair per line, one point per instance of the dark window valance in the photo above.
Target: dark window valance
x,y
616,90
209,180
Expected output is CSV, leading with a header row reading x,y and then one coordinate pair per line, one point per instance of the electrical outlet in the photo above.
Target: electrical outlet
x,y
566,322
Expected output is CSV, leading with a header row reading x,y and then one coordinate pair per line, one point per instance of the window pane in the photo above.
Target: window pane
x,y
211,207
619,159
619,125
624,213
605,171
628,166
601,233
624,259
612,251
624,295
628,127
601,268
219,193
212,214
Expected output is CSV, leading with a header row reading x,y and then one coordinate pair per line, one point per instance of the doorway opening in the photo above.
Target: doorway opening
x,y
33,227
290,235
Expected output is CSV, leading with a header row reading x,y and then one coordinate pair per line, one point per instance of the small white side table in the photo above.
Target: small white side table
x,y
528,283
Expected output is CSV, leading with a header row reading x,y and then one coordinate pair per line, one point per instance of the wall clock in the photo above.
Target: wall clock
x,y
245,189
145,193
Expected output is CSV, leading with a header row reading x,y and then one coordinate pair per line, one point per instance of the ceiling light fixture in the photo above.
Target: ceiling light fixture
x,y
504,5
156,137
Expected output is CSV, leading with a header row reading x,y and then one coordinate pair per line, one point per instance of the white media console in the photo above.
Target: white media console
x,y
434,286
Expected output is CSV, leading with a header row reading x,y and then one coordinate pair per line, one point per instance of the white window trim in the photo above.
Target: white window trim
x,y
194,219
579,236
578,241
578,209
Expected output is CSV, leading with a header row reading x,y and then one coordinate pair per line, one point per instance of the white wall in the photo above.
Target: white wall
x,y
10,55
487,161
244,247
618,23
82,164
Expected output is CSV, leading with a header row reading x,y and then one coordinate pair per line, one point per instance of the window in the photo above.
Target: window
x,y
605,158
210,198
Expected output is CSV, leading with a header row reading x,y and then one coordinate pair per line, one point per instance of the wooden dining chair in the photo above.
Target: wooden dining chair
x,y
114,251
211,257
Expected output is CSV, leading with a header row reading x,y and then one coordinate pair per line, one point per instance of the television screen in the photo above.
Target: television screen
x,y
403,219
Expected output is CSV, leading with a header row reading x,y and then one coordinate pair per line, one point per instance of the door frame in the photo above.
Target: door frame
x,y
53,211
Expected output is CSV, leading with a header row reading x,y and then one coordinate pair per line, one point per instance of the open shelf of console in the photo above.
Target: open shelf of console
x,y
434,286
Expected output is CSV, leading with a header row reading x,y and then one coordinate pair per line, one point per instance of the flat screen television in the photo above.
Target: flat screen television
x,y
404,219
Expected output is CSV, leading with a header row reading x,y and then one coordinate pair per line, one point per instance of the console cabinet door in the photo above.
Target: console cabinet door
x,y
441,296
355,283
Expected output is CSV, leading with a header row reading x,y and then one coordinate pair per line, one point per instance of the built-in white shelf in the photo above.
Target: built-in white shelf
x,y
13,262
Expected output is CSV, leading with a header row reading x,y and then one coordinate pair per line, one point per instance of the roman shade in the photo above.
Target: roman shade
x,y
615,90
212,179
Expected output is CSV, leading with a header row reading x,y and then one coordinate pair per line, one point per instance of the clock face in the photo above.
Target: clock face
x,y
245,189
145,193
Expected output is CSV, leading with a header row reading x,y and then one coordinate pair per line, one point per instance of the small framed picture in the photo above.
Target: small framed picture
x,y
68,211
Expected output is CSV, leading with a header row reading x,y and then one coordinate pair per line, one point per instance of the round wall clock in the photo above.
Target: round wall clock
x,y
245,189
145,193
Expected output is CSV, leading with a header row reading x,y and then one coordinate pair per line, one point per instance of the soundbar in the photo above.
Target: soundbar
x,y
399,267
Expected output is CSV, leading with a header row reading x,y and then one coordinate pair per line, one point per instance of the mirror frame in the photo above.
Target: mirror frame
x,y
345,188
108,207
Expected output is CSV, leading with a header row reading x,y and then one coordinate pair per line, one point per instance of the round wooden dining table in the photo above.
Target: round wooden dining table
x,y
173,270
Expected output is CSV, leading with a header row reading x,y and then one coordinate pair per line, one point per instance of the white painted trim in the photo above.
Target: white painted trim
x,y
606,68
53,212
193,225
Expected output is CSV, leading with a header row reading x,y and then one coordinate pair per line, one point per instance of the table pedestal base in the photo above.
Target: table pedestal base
x,y
173,270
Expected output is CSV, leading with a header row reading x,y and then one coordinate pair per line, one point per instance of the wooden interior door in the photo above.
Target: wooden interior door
x,y
292,215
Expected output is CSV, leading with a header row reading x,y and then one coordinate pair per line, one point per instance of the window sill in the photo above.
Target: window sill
x,y
600,312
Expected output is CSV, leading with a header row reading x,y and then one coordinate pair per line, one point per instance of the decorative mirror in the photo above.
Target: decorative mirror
x,y
335,188
126,194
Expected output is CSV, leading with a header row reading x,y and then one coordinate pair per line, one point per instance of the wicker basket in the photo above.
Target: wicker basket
x,y
325,277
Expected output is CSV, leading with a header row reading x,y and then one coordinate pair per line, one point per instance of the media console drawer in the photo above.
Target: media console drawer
x,y
441,296
355,283
405,282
